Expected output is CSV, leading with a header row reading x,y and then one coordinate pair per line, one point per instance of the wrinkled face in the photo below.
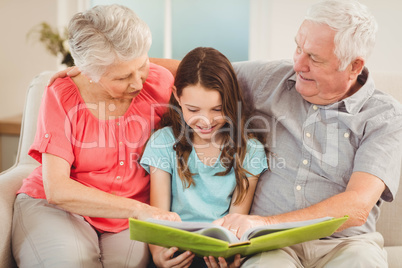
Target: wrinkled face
x,y
318,79
124,80
202,111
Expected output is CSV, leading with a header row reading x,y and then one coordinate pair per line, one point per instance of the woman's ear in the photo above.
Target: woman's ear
x,y
174,91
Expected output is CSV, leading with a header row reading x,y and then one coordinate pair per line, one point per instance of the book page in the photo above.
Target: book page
x,y
219,232
267,229
204,228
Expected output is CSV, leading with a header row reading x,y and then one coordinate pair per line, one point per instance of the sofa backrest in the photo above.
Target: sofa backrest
x,y
389,223
30,116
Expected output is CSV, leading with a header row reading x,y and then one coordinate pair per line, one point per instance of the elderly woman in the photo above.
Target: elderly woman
x,y
72,210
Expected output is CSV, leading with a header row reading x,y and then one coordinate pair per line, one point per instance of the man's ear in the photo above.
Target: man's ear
x,y
174,91
356,67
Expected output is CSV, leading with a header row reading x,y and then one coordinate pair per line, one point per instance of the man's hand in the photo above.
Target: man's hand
x,y
239,223
169,64
211,262
70,71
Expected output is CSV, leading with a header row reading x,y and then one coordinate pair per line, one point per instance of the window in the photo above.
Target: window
x,y
178,26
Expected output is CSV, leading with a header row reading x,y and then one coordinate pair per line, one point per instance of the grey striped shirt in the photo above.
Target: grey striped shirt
x,y
315,149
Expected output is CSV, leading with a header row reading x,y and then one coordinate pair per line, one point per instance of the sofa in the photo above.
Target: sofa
x,y
390,223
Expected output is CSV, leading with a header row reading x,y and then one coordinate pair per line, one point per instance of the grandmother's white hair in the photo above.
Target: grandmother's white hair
x,y
355,26
106,34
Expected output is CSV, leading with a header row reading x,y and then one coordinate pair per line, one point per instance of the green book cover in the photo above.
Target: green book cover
x,y
206,239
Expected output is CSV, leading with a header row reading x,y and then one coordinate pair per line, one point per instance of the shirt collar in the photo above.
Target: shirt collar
x,y
354,103
292,81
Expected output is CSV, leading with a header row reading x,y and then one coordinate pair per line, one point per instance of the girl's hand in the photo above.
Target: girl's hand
x,y
211,262
70,71
163,257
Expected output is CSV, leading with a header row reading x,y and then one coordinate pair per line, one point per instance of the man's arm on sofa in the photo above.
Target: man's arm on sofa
x,y
169,64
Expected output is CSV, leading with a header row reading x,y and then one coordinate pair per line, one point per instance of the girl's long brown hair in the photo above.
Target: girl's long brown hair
x,y
212,70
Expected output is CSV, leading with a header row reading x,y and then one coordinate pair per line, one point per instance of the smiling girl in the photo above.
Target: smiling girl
x,y
203,165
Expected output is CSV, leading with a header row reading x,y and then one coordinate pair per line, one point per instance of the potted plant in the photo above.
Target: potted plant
x,y
56,43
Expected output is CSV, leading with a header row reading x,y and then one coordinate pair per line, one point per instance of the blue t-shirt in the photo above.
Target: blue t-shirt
x,y
211,196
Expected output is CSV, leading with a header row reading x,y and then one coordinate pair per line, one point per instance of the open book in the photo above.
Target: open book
x,y
207,239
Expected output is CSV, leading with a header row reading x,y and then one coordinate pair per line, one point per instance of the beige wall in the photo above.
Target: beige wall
x,y
387,55
21,60
280,20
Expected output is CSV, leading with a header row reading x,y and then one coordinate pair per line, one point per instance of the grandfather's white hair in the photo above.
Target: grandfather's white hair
x,y
355,26
104,35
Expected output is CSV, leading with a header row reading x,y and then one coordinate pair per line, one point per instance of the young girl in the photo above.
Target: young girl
x,y
202,162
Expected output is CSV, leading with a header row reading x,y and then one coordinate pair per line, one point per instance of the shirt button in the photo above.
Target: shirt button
x,y
298,187
121,163
46,136
121,143
315,108
118,177
346,135
305,162
308,135
118,123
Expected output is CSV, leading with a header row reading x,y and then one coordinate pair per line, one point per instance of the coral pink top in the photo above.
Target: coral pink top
x,y
103,154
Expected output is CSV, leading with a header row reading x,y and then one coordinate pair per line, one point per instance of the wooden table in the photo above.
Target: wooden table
x,y
9,126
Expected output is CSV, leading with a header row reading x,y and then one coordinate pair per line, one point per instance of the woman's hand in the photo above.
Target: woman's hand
x,y
163,257
70,71
211,262
148,211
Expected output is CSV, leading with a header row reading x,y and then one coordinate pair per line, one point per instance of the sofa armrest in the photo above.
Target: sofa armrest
x,y
394,256
11,179
10,182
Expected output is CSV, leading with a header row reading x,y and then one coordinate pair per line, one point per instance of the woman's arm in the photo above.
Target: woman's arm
x,y
70,195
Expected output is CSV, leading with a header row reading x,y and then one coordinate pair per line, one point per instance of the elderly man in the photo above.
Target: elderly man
x,y
335,141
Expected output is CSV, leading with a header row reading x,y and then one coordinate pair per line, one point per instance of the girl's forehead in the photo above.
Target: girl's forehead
x,y
198,95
